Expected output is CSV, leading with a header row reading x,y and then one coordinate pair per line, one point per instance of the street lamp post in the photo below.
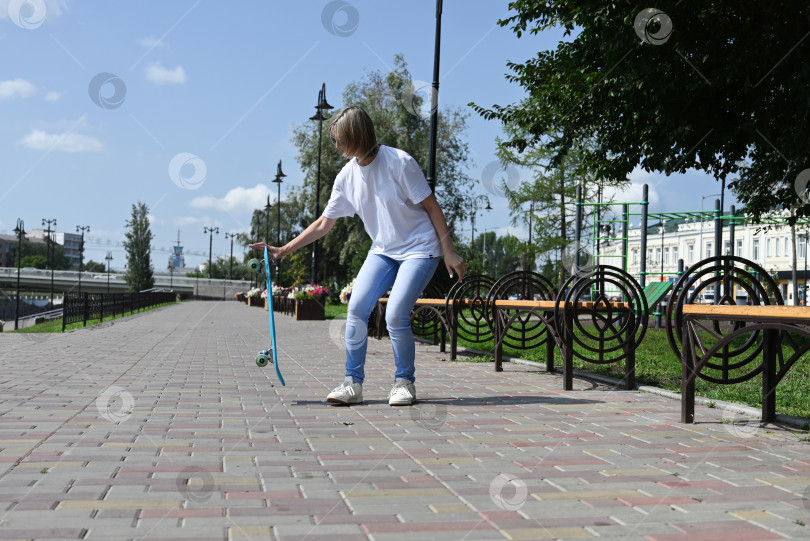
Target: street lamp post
x,y
484,255
109,258
267,208
50,249
211,230
279,175
230,271
322,106
529,250
434,101
20,232
81,229
475,207
230,263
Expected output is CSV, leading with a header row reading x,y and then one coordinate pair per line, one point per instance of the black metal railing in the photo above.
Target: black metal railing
x,y
84,307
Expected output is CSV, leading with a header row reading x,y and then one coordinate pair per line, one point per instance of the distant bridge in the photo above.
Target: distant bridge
x,y
96,282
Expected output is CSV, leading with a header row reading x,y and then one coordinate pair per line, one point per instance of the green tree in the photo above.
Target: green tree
x,y
387,99
293,221
546,203
39,252
138,247
93,266
493,255
33,261
714,86
221,269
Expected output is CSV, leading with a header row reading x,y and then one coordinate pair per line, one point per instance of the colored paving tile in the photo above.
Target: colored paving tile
x,y
162,427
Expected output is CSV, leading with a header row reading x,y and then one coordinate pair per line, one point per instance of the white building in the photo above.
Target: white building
x,y
693,240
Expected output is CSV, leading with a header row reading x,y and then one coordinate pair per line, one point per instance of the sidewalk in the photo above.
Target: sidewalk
x,y
161,426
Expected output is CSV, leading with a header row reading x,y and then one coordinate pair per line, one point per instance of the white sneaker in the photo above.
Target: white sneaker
x,y
403,393
347,392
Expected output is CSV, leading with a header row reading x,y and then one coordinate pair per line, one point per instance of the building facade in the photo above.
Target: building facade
x,y
71,242
693,240
7,243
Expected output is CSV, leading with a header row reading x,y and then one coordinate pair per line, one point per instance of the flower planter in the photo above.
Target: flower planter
x,y
310,310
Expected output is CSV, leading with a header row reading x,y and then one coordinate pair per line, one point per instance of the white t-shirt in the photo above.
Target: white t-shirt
x,y
386,194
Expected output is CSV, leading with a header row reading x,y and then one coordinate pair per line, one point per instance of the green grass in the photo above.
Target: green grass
x,y
55,325
335,310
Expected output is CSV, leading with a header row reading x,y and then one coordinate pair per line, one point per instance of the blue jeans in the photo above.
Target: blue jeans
x,y
406,279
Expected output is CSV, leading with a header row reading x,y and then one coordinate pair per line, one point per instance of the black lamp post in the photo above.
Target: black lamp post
x,y
267,208
81,229
434,101
109,258
322,106
279,175
211,230
529,249
475,206
230,271
20,232
49,249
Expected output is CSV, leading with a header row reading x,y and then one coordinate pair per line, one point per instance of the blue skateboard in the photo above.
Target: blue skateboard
x,y
264,357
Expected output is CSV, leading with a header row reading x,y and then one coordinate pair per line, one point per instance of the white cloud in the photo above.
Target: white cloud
x,y
151,42
632,192
64,142
16,87
159,75
52,96
154,220
238,201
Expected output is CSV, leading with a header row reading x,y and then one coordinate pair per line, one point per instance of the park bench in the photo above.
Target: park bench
x,y
480,309
599,331
429,316
728,344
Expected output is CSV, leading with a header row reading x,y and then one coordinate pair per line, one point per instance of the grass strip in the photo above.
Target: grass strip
x,y
55,325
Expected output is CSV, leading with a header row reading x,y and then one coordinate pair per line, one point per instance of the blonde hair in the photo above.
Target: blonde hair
x,y
354,131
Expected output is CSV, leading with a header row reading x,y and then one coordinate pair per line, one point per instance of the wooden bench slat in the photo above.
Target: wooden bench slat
x,y
760,311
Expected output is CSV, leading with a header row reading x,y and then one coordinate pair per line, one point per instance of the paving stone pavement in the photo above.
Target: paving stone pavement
x,y
161,426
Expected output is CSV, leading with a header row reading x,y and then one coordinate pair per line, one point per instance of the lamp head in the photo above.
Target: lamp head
x,y
322,103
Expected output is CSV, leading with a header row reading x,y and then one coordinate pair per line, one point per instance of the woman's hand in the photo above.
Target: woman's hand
x,y
455,262
273,251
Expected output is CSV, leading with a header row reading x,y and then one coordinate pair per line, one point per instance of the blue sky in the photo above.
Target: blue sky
x,y
189,105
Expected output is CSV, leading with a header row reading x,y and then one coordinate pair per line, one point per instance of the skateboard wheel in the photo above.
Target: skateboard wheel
x,y
262,359
255,265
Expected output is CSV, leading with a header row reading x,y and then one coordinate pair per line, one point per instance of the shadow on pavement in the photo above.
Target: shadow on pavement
x,y
465,402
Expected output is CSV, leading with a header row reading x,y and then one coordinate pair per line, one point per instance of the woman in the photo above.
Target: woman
x,y
387,189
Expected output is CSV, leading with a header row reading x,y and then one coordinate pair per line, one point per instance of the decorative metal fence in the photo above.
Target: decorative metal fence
x,y
84,307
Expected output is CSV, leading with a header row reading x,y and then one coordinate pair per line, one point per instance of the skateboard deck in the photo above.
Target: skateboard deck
x,y
264,357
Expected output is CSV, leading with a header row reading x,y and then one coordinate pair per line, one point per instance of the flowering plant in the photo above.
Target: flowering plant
x,y
254,292
346,293
310,292
277,290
